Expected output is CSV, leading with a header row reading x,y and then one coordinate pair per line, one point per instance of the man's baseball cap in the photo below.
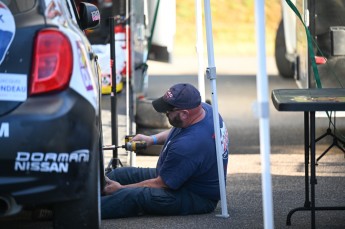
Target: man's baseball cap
x,y
180,96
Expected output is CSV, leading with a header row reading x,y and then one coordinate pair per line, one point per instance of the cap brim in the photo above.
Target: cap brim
x,y
161,106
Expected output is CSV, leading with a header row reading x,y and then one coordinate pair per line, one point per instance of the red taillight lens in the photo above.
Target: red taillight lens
x,y
53,62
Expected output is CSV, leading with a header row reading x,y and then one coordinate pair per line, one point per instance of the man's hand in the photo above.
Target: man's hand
x,y
111,186
145,138
160,138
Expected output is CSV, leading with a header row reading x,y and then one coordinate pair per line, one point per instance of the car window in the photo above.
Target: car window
x,y
19,6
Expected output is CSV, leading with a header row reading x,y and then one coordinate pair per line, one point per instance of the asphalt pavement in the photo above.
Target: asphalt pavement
x,y
237,92
236,84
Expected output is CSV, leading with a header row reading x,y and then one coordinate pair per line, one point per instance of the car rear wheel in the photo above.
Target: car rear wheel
x,y
84,212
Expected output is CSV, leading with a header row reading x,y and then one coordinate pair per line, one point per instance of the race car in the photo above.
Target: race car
x,y
50,117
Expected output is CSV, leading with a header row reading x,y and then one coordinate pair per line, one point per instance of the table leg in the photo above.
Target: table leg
x,y
306,170
306,158
312,167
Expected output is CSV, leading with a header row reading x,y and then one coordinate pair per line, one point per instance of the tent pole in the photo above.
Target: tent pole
x,y
211,75
131,154
200,49
113,95
262,110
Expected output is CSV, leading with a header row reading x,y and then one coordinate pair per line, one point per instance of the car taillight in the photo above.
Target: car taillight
x,y
52,62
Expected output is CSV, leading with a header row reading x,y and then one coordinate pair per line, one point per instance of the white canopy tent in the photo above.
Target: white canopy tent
x,y
211,75
200,48
262,111
262,105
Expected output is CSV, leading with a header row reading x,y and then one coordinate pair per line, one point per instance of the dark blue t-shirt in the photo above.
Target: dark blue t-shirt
x,y
189,159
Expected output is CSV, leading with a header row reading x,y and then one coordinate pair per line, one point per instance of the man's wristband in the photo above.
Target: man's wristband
x,y
154,138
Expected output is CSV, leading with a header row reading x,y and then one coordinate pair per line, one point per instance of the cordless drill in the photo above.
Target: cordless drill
x,y
129,145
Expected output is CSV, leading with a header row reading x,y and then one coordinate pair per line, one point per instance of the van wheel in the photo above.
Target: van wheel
x,y
285,67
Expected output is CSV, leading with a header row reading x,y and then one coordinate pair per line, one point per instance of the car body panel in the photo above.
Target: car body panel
x,y
49,142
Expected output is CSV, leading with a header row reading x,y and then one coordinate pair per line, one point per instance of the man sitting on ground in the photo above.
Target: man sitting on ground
x,y
185,180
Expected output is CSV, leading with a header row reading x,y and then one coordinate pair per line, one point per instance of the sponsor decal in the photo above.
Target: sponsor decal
x,y
83,68
4,130
7,30
49,162
95,15
13,87
52,10
55,12
224,140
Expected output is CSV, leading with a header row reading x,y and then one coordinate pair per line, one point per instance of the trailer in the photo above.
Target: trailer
x,y
325,21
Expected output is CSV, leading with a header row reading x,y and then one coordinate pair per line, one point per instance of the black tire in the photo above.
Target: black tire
x,y
285,67
84,212
147,117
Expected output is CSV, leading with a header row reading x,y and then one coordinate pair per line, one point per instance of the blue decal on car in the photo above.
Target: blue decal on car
x,y
7,30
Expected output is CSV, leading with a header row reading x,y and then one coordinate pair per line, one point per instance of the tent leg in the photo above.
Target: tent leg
x,y
263,115
211,75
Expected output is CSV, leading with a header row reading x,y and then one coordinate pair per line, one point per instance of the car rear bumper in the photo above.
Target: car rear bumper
x,y
48,152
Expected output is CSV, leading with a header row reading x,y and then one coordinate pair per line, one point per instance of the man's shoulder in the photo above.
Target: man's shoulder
x,y
206,105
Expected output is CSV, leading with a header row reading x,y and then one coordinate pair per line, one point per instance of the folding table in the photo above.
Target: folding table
x,y
309,101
